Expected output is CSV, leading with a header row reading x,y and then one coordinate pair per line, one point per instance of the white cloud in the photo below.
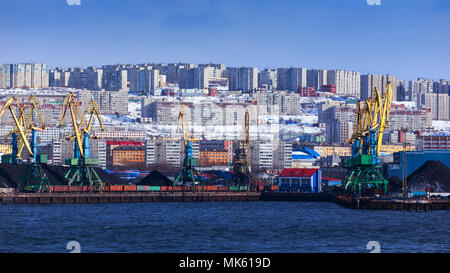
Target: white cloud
x,y
374,2
73,2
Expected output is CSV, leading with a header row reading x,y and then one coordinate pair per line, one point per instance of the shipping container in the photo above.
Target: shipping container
x,y
261,188
154,188
274,188
129,188
243,188
177,188
223,188
116,188
142,188
234,188
75,188
164,188
211,188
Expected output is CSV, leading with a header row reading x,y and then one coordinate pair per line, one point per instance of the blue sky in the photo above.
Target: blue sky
x,y
407,38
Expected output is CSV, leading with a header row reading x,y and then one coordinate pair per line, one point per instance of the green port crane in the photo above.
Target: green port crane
x,y
81,166
188,174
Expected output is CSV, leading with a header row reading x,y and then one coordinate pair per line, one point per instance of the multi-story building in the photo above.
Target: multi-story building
x,y
127,155
215,153
433,142
119,133
6,70
439,103
291,78
441,87
418,87
339,131
317,79
242,78
269,155
27,75
347,82
115,77
414,120
268,79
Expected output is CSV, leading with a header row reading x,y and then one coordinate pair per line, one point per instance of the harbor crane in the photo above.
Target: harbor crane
x,y
33,178
188,173
241,164
364,165
242,160
81,166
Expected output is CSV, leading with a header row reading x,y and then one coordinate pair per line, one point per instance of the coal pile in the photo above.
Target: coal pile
x,y
432,174
10,175
155,178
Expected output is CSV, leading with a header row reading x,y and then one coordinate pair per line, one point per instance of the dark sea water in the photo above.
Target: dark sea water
x,y
219,227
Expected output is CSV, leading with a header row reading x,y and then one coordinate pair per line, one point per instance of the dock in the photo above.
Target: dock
x,y
373,203
347,201
124,197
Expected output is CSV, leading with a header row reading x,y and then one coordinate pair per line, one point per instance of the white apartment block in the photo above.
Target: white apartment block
x,y
347,82
439,103
418,87
119,133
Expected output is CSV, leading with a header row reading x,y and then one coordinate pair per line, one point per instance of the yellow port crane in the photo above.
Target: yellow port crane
x,y
81,165
19,129
372,118
242,162
34,177
26,122
81,129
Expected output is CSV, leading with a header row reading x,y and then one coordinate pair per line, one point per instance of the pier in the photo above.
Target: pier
x,y
369,203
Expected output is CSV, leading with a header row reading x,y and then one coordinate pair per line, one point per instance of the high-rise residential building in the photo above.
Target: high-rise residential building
x,y
6,71
27,75
401,91
437,102
316,78
419,86
441,87
291,78
114,78
368,83
413,119
77,78
94,78
147,80
348,83
268,78
242,78
339,131
200,77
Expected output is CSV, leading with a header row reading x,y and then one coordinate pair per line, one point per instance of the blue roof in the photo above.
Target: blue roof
x,y
305,153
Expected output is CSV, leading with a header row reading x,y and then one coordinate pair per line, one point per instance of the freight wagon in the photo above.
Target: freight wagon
x,y
145,188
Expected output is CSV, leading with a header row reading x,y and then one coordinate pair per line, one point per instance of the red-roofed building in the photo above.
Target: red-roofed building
x,y
300,180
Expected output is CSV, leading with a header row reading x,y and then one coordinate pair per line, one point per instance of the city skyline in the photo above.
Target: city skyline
x,y
375,39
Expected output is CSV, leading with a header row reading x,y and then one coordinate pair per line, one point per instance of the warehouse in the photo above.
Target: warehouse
x,y
300,180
